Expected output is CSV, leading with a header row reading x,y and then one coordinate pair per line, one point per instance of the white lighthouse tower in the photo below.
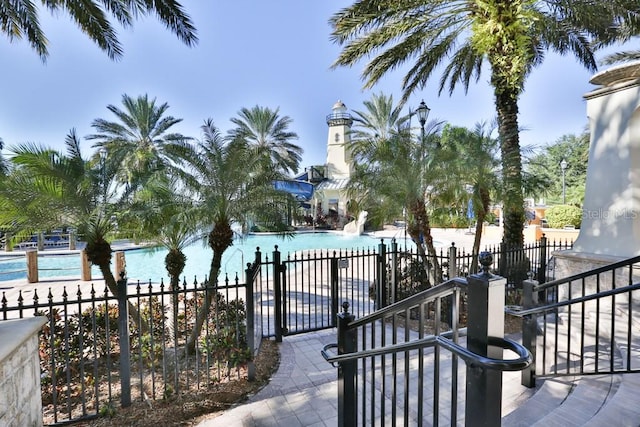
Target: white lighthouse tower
x,y
339,162
330,194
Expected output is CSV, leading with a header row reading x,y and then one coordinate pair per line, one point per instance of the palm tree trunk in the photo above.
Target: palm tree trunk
x,y
203,312
481,214
112,285
507,106
175,286
422,227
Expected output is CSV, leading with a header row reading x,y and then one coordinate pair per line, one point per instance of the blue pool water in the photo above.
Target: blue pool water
x,y
148,264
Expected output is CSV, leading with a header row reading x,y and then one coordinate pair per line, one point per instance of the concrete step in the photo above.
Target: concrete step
x,y
588,400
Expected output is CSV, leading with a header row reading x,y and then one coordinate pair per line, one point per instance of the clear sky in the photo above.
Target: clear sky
x,y
275,54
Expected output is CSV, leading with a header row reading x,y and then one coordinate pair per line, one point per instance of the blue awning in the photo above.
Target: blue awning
x,y
300,189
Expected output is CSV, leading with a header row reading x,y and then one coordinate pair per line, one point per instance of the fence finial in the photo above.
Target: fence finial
x,y
345,307
486,259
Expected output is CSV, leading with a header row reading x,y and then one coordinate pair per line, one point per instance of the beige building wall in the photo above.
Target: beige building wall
x,y
611,213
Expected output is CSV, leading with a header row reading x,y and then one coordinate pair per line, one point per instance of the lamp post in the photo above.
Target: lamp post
x,y
563,166
423,113
103,170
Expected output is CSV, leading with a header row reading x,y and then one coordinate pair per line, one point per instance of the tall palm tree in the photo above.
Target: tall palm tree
x,y
268,134
460,36
233,187
20,19
380,120
140,143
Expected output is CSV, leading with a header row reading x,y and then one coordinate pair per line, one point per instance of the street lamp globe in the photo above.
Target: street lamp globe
x,y
423,113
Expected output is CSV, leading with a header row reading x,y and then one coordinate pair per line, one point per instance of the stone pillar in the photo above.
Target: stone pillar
x,y
120,264
7,242
72,241
21,402
611,212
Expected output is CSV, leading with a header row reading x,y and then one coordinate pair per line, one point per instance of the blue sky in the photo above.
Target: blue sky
x,y
275,54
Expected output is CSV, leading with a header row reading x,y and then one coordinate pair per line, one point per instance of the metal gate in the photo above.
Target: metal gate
x,y
302,292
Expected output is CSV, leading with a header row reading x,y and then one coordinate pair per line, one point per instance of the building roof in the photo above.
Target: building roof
x,y
333,184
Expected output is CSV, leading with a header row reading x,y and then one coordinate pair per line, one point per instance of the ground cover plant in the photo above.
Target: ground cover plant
x,y
80,361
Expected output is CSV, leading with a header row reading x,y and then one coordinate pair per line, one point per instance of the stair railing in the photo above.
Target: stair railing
x,y
584,324
384,374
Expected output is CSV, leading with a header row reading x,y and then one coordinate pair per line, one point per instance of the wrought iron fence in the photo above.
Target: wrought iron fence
x,y
83,352
288,294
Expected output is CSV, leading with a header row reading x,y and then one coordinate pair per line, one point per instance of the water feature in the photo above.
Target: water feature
x,y
148,264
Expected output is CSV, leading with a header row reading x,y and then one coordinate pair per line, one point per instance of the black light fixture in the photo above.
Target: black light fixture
x,y
423,113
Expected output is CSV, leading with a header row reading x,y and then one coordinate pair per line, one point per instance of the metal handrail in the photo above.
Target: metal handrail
x,y
515,311
604,269
421,297
473,359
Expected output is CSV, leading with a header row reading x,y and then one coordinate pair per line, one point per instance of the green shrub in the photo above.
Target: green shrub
x,y
564,215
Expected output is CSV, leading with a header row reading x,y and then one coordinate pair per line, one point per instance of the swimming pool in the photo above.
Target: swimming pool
x,y
148,264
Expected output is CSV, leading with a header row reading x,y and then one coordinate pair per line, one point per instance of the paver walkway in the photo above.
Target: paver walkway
x,y
303,391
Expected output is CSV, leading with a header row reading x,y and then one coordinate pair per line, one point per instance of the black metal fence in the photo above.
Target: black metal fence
x,y
88,364
82,354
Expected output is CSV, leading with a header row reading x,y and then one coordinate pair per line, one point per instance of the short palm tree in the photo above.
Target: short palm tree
x,y
233,187
139,144
48,188
164,213
460,36
397,174
268,134
471,172
21,18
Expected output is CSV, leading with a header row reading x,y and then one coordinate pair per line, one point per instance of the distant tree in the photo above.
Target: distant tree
x,y
545,167
140,143
20,19
4,166
268,135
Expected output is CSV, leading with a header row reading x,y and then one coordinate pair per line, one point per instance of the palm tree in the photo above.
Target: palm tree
x,y
233,187
461,35
164,213
48,188
398,174
470,172
269,136
21,18
380,121
139,144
